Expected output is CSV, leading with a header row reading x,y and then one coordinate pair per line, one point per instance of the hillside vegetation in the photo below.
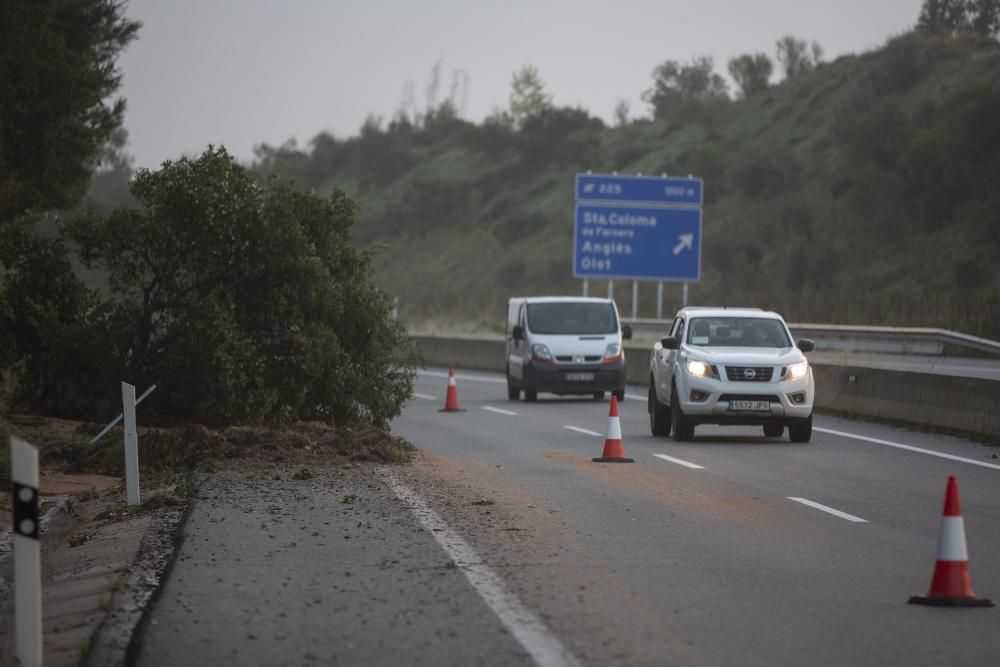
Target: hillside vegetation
x,y
864,191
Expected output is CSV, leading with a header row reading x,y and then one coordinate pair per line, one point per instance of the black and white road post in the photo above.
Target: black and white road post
x,y
131,445
27,555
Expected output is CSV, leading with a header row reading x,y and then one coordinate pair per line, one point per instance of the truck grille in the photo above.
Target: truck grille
x,y
749,373
566,359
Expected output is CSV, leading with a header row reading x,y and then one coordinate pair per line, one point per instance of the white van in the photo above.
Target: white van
x,y
564,345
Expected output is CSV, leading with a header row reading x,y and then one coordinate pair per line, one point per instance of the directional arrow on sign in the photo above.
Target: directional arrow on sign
x,y
687,241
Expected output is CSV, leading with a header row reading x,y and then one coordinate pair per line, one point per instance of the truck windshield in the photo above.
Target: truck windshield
x,y
569,317
737,332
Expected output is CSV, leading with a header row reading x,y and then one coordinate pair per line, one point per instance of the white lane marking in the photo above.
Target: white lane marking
x,y
463,377
545,649
680,462
499,411
910,448
636,398
426,397
829,510
584,431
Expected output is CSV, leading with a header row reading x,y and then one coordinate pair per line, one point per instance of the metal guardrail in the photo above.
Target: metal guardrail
x,y
892,340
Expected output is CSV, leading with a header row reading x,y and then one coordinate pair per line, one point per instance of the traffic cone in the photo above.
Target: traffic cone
x,y
613,450
951,585
451,398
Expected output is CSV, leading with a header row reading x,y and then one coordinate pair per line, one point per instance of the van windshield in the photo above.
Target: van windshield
x,y
569,317
737,332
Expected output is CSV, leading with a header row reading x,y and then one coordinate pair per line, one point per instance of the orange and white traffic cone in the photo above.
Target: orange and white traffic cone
x,y
451,398
951,585
614,452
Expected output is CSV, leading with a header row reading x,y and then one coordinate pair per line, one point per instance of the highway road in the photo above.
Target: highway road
x,y
504,544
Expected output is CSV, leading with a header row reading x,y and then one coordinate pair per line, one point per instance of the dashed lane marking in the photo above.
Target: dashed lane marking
x,y
584,431
680,462
909,448
829,510
426,397
543,647
499,411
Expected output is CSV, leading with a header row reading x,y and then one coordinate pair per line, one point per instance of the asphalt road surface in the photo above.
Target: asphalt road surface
x,y
504,544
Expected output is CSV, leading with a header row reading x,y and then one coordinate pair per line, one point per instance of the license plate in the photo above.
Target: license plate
x,y
579,377
750,406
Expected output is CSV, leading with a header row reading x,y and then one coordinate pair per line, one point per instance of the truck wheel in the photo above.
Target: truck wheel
x,y
802,431
683,427
774,430
659,414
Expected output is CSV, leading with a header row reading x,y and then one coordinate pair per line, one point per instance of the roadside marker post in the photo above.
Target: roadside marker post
x,y
27,554
131,445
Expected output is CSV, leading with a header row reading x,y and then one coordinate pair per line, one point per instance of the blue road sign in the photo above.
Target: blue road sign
x,y
640,243
650,190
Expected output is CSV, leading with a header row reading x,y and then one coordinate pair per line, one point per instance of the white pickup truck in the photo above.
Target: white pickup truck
x,y
736,366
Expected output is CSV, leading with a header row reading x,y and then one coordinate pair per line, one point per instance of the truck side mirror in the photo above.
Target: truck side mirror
x,y
627,332
669,342
517,332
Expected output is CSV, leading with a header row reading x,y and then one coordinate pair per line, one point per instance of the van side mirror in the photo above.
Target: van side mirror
x,y
806,345
627,332
517,332
669,342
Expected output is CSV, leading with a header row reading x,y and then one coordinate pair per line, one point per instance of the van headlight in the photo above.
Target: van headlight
x,y
541,352
613,353
697,368
797,371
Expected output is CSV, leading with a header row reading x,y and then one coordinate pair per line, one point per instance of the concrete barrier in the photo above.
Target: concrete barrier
x,y
942,401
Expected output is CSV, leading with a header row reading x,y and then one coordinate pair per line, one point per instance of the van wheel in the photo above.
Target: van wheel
x,y
598,395
802,431
619,394
659,415
683,427
530,395
513,392
774,430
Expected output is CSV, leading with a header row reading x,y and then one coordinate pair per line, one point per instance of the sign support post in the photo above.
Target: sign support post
x,y
635,298
611,289
585,287
131,445
685,300
659,299
27,554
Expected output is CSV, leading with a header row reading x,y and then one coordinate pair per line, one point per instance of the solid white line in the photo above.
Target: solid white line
x,y
545,649
584,431
499,411
426,397
679,461
929,452
463,377
829,510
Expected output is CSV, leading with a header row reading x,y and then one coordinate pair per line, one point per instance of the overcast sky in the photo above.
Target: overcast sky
x,y
245,72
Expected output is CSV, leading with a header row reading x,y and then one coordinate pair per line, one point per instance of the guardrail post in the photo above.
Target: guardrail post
x,y
131,445
27,555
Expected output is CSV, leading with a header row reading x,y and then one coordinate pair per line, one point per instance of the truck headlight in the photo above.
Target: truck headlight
x,y
697,368
797,371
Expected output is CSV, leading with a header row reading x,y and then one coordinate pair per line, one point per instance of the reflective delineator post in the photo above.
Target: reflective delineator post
x,y
131,445
27,554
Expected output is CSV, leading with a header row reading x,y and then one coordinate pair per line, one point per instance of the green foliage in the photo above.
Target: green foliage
x,y
246,302
683,87
797,57
57,79
752,73
949,17
527,95
52,336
